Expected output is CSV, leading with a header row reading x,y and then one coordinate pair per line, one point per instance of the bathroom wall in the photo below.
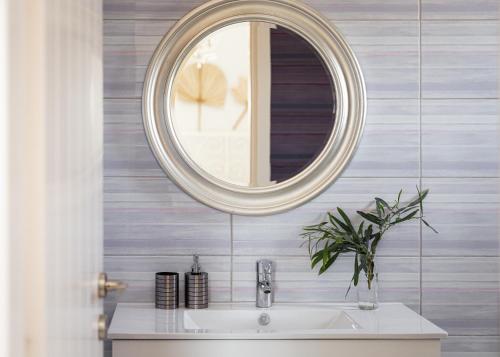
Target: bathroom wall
x,y
431,69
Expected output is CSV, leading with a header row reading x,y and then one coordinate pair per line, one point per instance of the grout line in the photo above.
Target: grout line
x,y
139,98
329,19
231,268
342,178
298,256
420,149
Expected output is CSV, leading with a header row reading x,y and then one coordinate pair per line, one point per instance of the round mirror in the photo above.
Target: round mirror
x,y
253,107
253,104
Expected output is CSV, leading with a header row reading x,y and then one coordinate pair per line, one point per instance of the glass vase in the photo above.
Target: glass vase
x,y
367,292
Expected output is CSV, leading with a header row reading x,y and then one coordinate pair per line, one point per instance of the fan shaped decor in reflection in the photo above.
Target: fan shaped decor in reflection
x,y
203,84
240,94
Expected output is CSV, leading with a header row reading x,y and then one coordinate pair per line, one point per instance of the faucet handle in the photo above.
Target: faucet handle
x,y
264,266
268,268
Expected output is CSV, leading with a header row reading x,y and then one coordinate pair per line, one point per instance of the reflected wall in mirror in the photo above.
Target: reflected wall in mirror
x,y
253,104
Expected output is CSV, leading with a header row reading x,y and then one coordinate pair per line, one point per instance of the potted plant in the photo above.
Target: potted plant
x,y
337,236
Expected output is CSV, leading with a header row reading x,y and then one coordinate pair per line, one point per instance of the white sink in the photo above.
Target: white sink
x,y
268,320
290,330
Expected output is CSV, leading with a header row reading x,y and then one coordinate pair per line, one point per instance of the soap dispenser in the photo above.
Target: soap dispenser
x,y
196,283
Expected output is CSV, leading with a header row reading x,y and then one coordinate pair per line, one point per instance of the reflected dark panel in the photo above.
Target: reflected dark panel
x,y
302,104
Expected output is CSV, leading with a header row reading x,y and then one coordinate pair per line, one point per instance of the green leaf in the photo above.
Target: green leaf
x,y
368,233
332,220
382,203
399,195
421,196
316,260
326,254
375,242
370,217
346,220
341,224
328,264
428,225
356,271
405,218
362,263
360,229
421,204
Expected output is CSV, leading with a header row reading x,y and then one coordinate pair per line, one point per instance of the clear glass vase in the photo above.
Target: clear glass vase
x,y
367,292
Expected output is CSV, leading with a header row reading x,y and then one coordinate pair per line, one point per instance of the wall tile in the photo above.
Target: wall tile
x,y
462,190
465,212
295,282
471,346
367,9
388,53
127,32
464,230
460,111
393,131
461,294
460,138
460,150
122,111
143,216
460,9
460,59
335,9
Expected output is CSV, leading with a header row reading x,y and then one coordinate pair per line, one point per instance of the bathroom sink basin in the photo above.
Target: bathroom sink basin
x,y
268,320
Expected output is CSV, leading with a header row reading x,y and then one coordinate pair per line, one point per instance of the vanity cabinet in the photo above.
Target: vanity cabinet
x,y
284,330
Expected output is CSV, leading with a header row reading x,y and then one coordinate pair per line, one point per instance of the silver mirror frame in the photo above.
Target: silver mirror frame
x,y
349,122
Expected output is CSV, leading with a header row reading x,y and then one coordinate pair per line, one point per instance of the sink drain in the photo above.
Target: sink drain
x,y
264,319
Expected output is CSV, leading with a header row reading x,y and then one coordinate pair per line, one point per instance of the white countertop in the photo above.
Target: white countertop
x,y
389,321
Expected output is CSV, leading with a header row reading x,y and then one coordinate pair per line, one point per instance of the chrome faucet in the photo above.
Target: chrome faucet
x,y
264,283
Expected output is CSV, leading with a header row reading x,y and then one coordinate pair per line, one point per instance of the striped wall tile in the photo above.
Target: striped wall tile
x,y
142,216
393,111
295,282
460,111
465,212
462,190
400,143
471,346
335,9
464,230
127,152
460,9
460,59
460,138
460,150
127,32
280,234
139,274
388,53
393,131
122,112
366,9
135,227
461,294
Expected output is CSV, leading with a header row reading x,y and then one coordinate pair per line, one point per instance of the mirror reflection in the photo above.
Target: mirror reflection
x,y
253,104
